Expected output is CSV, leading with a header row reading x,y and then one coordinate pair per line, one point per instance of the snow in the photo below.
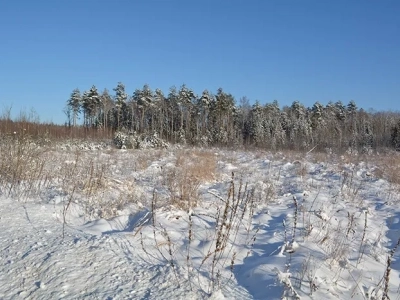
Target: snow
x,y
298,236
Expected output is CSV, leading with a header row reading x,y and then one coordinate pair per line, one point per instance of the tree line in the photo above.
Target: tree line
x,y
216,119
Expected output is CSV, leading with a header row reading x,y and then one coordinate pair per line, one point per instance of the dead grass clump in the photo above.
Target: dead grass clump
x,y
202,165
22,165
94,178
385,165
192,168
182,187
265,191
388,167
300,168
144,158
290,156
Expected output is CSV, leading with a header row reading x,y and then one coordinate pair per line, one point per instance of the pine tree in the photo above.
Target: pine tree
x,y
93,103
159,101
299,129
203,110
223,111
340,111
120,103
173,116
107,105
351,118
85,108
74,104
256,124
185,100
144,100
274,135
395,136
244,112
316,115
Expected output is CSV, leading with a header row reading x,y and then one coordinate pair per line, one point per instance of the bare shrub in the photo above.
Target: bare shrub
x,y
53,132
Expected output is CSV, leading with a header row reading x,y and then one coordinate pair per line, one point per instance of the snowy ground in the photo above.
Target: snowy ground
x,y
176,224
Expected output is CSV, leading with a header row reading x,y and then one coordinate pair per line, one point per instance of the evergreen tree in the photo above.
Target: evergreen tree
x,y
74,104
215,119
351,125
93,105
203,109
120,103
144,100
185,101
224,107
107,105
316,115
256,124
395,136
160,108
340,111
173,113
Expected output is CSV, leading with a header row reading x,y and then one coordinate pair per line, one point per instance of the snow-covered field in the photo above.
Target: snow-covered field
x,y
199,224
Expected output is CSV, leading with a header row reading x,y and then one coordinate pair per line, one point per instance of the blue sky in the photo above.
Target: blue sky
x,y
263,49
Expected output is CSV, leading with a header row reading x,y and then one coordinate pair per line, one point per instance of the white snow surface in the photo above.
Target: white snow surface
x,y
321,250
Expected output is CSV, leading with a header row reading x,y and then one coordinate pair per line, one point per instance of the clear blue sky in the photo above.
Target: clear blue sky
x,y
263,49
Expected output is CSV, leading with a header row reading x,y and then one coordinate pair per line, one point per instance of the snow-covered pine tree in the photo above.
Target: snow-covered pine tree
x,y
273,130
300,129
85,108
316,115
243,113
351,120
74,104
94,105
159,112
144,99
202,109
173,114
395,136
120,104
256,124
224,107
107,105
186,99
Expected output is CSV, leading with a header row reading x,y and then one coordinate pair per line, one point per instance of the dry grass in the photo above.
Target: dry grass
x,y
192,168
22,165
388,167
144,158
199,164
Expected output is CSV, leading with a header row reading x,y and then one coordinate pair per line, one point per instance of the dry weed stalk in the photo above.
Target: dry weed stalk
x,y
307,274
361,251
229,220
190,238
296,208
386,277
65,210
350,225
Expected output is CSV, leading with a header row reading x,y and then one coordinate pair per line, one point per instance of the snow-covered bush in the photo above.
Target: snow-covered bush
x,y
80,144
124,140
120,139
